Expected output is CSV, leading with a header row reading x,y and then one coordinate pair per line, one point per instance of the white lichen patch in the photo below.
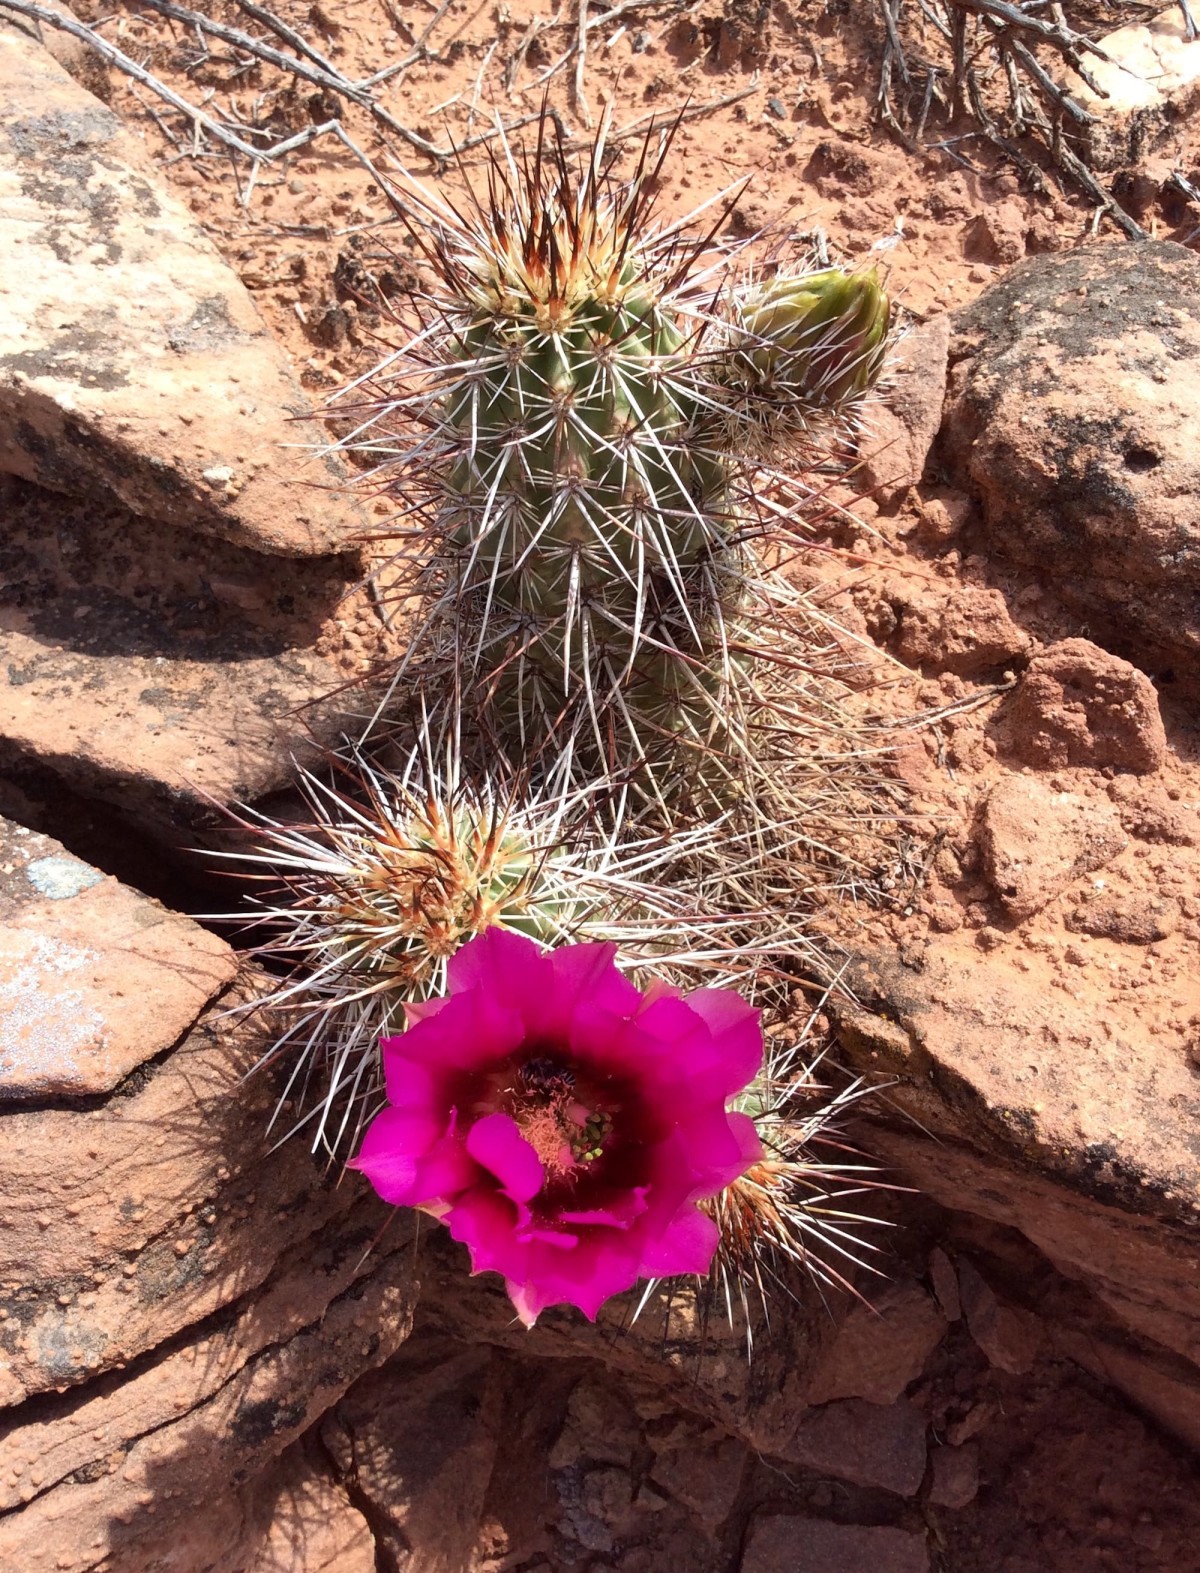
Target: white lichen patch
x,y
46,1018
61,877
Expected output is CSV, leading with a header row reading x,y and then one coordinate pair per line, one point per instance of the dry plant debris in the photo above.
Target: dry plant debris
x,y
992,63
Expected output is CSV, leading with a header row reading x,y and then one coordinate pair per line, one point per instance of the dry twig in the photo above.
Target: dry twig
x,y
980,42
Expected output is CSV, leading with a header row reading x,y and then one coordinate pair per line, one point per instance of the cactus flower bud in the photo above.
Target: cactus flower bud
x,y
808,348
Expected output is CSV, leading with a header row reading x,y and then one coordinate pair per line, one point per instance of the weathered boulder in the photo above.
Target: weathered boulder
x,y
86,65
1058,1116
1146,82
176,1303
133,363
95,979
157,671
1072,412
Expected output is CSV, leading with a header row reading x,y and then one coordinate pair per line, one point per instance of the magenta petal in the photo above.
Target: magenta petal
x,y
604,1265
589,972
418,1010
659,1064
527,1303
471,1030
736,1030
484,1221
745,1133
496,961
392,1150
687,1245
498,1145
444,1173
561,1239
410,1084
619,1214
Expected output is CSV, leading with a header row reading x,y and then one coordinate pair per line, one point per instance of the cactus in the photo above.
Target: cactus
x,y
372,896
571,512
589,404
796,1208
394,871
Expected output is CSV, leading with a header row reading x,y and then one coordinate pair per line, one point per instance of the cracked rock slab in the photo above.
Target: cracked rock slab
x,y
133,363
1146,81
155,671
95,979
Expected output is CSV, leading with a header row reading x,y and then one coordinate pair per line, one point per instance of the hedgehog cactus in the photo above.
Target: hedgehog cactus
x,y
366,902
589,403
576,515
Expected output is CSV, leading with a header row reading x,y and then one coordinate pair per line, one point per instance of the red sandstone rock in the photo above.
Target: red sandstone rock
x,y
314,1527
94,979
900,429
130,673
782,1544
133,362
1072,412
1135,919
966,630
1078,705
945,1284
955,1475
177,1303
1009,1337
880,1348
1150,813
867,1444
88,68
1035,842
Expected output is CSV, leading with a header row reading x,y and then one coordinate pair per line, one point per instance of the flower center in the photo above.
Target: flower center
x,y
555,1116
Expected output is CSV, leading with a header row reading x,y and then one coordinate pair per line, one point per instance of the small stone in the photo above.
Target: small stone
x,y
1077,705
945,1284
880,1349
1010,1338
779,1543
1035,841
954,1475
1135,920
964,629
866,1444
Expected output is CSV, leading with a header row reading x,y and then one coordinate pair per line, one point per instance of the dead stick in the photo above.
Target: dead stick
x,y
289,35
115,57
333,81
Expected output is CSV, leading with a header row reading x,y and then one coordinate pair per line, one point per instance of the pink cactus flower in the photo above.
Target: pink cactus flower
x,y
563,1124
